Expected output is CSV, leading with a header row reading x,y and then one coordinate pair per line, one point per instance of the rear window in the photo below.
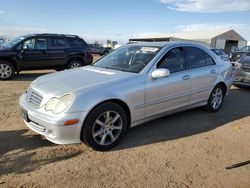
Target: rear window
x,y
77,43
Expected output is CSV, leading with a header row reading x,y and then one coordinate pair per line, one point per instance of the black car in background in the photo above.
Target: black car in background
x,y
43,51
235,54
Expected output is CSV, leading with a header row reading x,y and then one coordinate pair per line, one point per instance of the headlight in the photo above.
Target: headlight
x,y
58,105
237,65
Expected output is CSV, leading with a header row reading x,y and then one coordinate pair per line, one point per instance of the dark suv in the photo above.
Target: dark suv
x,y
43,51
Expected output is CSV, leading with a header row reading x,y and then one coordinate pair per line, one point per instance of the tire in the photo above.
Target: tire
x,y
102,133
7,70
59,69
216,99
75,63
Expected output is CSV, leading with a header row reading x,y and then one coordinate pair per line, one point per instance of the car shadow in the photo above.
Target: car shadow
x,y
188,123
22,152
31,75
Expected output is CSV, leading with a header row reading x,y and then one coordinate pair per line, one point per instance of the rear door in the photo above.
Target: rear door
x,y
57,51
203,72
33,54
169,93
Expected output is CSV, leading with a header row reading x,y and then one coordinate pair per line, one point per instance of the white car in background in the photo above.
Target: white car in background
x,y
221,54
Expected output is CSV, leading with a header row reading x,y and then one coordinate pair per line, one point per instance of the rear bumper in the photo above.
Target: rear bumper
x,y
52,126
242,84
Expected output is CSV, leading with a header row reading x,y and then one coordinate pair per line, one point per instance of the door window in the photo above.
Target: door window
x,y
173,60
209,60
35,44
195,58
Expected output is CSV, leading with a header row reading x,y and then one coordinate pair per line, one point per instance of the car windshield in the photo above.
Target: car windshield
x,y
128,58
13,42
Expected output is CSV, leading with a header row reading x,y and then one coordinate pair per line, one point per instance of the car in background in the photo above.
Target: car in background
x,y
99,49
221,54
43,51
236,53
242,71
2,41
133,84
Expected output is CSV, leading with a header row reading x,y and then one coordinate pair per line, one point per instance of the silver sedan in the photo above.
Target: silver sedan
x,y
134,84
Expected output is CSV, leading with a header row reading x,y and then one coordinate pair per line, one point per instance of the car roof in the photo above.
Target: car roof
x,y
50,35
163,44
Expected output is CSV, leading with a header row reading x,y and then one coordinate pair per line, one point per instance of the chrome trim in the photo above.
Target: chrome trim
x,y
33,98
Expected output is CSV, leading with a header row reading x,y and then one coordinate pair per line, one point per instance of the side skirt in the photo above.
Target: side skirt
x,y
138,122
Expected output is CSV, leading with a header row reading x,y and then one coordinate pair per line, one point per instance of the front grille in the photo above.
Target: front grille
x,y
246,69
33,98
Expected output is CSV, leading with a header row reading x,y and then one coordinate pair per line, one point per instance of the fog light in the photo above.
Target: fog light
x,y
51,133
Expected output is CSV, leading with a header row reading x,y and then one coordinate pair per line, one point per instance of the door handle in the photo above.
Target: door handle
x,y
212,71
186,77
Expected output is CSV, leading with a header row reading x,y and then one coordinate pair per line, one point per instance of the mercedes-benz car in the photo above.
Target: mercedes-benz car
x,y
134,84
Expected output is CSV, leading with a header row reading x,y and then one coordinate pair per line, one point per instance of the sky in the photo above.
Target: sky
x,y
122,19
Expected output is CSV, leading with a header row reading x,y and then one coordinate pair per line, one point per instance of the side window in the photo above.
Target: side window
x,y
173,60
57,43
77,43
35,44
195,58
209,60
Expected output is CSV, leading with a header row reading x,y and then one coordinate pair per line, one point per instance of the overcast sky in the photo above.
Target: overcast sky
x,y
122,19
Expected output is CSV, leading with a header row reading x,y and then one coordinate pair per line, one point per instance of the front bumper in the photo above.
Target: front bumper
x,y
52,126
242,78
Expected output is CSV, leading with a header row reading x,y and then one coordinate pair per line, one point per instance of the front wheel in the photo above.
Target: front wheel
x,y
105,126
7,70
216,98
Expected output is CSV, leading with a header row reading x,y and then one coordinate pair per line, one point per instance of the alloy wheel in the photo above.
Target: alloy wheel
x,y
5,71
217,97
75,65
107,128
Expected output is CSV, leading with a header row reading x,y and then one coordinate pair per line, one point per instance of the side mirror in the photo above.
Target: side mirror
x,y
160,73
25,47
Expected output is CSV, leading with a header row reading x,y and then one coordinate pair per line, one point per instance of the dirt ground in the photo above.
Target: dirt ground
x,y
188,149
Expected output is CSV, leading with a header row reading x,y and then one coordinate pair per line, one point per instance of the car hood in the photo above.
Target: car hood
x,y
72,81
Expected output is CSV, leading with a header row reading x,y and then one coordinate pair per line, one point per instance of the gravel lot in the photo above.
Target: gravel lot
x,y
188,149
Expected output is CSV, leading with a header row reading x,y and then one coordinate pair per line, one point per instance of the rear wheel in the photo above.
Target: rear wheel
x,y
75,63
7,70
216,98
105,126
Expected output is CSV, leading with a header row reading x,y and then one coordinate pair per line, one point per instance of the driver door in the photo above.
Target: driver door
x,y
33,54
172,92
